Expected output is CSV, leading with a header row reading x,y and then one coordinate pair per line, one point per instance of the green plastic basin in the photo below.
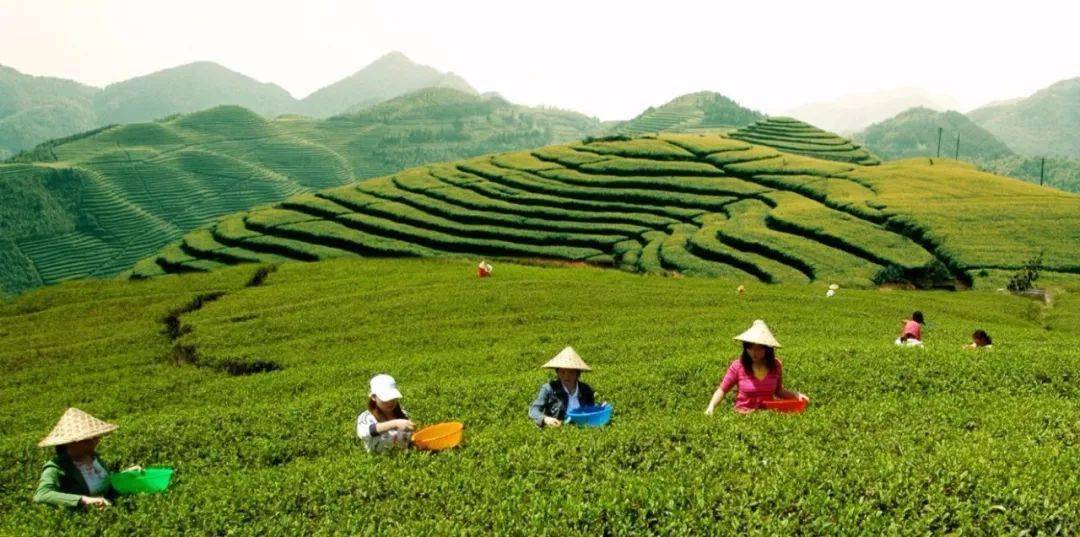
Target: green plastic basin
x,y
146,481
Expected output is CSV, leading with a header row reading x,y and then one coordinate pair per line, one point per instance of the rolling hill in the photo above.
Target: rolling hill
x,y
36,109
391,75
853,113
914,133
794,136
705,205
185,89
94,204
1045,124
694,112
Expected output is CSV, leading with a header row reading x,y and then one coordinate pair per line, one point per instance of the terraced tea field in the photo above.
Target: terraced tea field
x,y
896,441
794,136
701,205
95,204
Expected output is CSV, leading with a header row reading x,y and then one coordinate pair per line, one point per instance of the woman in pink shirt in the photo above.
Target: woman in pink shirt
x,y
757,374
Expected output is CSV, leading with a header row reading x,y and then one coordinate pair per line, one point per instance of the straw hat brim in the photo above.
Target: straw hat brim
x,y
567,359
76,426
758,333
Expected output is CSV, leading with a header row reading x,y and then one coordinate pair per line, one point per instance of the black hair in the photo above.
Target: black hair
x,y
981,334
918,317
748,363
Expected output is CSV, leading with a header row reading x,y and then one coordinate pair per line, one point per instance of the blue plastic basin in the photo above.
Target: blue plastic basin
x,y
590,416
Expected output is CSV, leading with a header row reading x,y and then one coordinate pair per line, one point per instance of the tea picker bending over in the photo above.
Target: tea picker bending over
x,y
911,335
384,425
75,476
980,340
757,373
564,394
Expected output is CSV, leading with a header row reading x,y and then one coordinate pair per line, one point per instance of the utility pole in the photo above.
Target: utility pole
x,y
1042,168
957,146
939,129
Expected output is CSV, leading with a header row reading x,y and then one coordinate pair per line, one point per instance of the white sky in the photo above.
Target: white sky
x,y
610,59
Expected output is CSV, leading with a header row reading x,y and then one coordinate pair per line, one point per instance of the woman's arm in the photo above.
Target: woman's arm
x,y
717,396
48,490
781,393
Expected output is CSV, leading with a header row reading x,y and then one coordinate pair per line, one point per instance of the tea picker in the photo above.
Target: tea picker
x,y
567,395
758,376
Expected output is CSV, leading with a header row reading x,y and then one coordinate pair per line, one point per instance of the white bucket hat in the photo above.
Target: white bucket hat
x,y
567,359
385,388
75,426
758,333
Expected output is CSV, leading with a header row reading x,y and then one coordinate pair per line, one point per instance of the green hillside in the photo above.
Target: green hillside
x,y
94,204
930,441
694,112
391,75
914,133
1058,172
1046,123
36,108
184,89
794,136
703,205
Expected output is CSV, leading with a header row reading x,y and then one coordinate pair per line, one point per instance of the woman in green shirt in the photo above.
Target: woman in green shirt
x,y
75,477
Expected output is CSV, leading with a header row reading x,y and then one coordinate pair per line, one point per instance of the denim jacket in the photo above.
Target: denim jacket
x,y
553,399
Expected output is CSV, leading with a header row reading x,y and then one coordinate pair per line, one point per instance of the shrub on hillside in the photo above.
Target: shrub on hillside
x,y
1024,279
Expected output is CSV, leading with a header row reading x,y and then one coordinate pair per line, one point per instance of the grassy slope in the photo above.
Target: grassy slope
x,y
97,203
693,204
906,441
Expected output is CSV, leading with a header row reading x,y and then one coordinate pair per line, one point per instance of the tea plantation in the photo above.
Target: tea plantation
x,y
253,397
96,203
690,204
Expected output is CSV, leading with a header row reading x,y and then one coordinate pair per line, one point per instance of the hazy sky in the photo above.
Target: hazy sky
x,y
605,58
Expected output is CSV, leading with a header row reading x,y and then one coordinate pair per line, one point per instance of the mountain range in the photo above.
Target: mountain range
x,y
34,109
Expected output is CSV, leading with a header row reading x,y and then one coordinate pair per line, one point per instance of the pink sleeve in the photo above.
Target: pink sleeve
x,y
732,376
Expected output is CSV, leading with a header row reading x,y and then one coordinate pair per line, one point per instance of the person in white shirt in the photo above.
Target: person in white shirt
x,y
385,425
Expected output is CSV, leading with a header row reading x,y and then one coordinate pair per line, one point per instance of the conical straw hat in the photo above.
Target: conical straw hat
x,y
834,287
567,359
75,425
758,333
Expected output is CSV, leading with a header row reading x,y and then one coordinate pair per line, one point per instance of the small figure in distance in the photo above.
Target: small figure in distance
x,y
483,270
563,394
757,373
832,290
740,290
384,425
980,340
75,477
911,335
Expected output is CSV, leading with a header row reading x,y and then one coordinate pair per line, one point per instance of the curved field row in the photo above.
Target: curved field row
x,y
695,205
794,136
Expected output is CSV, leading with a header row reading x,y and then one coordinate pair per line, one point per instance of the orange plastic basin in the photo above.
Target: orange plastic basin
x,y
794,406
439,436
